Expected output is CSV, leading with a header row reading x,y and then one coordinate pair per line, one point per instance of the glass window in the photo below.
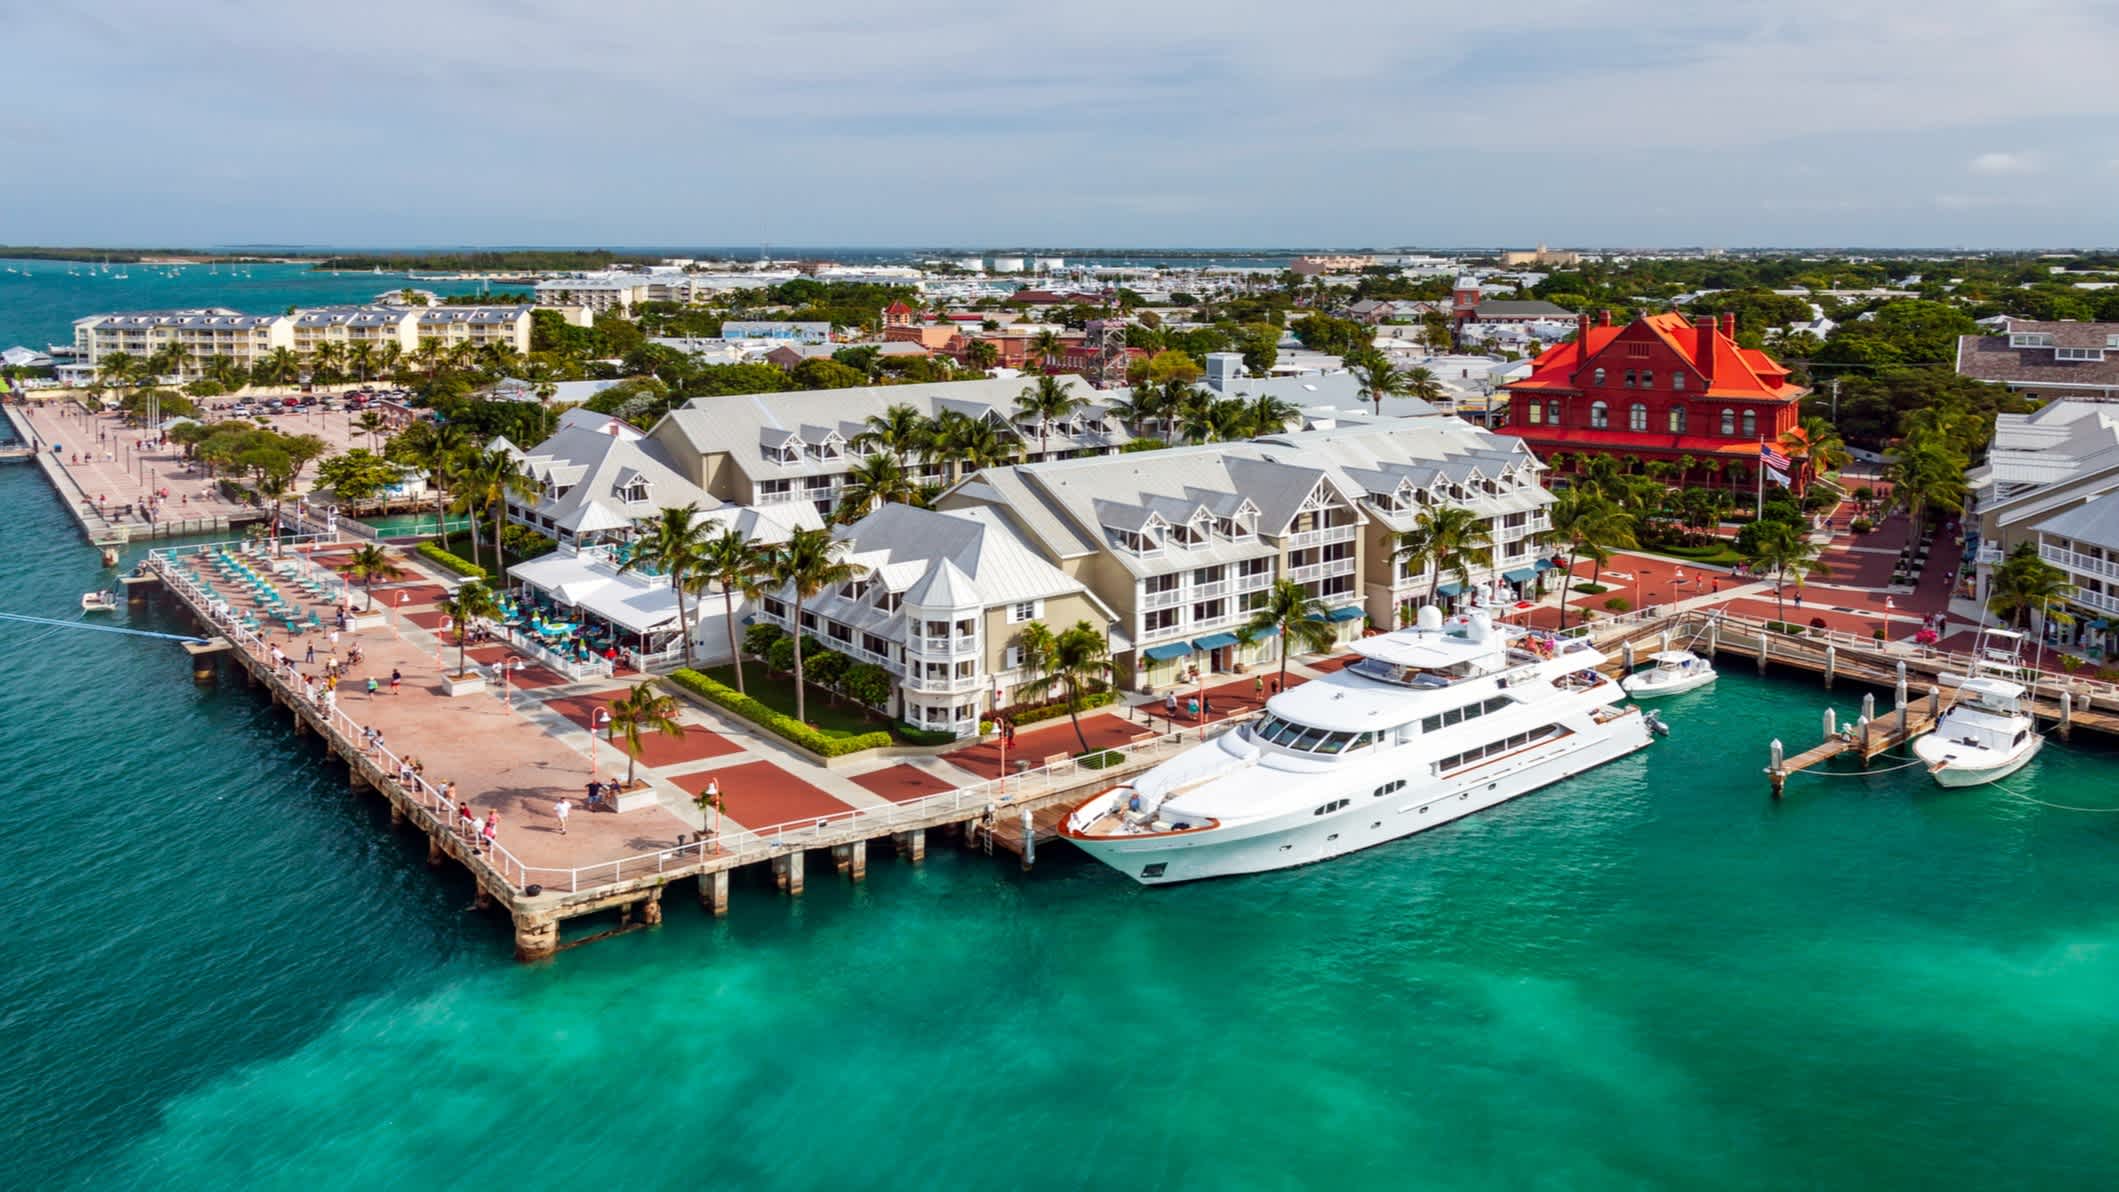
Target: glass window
x,y
1728,422
1429,724
1677,420
1750,423
1599,415
1637,417
1597,378
1677,380
1536,412
1647,380
1552,412
1308,740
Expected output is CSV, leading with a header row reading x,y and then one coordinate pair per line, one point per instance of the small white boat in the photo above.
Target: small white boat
x,y
99,602
1986,735
1674,672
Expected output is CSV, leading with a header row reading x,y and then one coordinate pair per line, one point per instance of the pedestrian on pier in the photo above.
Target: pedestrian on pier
x,y
596,794
1170,704
395,680
559,812
309,655
490,831
1206,706
1258,686
373,686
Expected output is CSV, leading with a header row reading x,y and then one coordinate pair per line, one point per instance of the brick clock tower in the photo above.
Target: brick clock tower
x,y
1660,387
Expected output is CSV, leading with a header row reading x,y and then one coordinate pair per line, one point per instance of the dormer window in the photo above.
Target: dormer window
x,y
634,493
1677,381
2078,353
2030,339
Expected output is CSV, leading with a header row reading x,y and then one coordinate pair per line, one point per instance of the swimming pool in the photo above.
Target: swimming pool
x,y
411,525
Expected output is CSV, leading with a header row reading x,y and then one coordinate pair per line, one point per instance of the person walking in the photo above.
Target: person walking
x,y
559,812
1258,686
309,657
373,686
396,679
1170,704
490,832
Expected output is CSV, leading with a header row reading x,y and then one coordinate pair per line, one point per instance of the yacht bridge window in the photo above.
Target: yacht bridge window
x,y
1441,720
1302,738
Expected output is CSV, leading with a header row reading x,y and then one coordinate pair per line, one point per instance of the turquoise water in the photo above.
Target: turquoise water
x,y
40,300
223,970
407,525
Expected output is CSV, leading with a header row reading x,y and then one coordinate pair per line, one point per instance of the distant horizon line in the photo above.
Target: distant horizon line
x,y
1275,250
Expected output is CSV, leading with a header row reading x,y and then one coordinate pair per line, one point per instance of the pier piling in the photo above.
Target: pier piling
x,y
913,845
536,937
1831,724
1029,840
2067,712
857,860
1831,664
713,893
1775,772
651,910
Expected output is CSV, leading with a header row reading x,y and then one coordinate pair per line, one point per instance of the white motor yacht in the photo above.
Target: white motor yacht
x,y
1428,725
99,602
1988,731
1674,672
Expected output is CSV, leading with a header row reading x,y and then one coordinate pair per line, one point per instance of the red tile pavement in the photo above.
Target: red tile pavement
x,y
902,784
697,744
1035,745
761,794
1226,699
414,594
426,618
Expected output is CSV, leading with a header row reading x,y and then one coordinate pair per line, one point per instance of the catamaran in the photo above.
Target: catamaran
x,y
1428,725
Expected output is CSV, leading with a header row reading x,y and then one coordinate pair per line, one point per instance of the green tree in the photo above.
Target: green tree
x,y
1048,400
1453,538
874,480
369,563
1784,551
1299,618
641,711
803,567
358,475
1379,378
488,480
471,600
1592,525
731,563
900,430
1076,661
673,545
2024,584
371,424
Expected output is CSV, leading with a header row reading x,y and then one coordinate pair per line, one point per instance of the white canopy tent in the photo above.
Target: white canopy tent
x,y
637,603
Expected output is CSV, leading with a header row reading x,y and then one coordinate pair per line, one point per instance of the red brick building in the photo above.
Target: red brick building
x,y
1660,387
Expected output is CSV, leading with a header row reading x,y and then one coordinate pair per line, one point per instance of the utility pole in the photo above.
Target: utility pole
x,y
1835,403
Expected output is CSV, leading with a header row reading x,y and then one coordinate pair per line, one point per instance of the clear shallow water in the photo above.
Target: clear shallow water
x,y
41,299
406,525
223,970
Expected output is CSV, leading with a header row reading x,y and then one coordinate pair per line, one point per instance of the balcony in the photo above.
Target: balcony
x,y
1209,591
952,646
944,684
1252,583
1169,599
2075,561
1318,537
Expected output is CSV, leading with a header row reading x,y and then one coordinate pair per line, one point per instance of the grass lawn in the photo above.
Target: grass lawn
x,y
460,546
1719,555
777,691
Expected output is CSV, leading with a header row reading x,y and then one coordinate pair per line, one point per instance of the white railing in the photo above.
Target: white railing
x,y
1209,591
2077,561
565,664
1252,583
1304,538
942,684
945,646
1306,573
1941,661
1155,600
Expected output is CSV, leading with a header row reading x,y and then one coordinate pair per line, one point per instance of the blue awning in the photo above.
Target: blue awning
x,y
1214,641
1268,631
1449,589
1345,614
1543,564
1521,575
2100,623
1168,650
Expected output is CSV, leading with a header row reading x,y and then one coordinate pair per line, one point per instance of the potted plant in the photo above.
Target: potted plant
x,y
470,600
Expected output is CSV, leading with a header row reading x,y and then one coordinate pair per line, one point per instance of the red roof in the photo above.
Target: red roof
x,y
897,308
1545,439
1726,369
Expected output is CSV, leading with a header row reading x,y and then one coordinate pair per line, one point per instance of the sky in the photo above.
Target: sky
x,y
1169,123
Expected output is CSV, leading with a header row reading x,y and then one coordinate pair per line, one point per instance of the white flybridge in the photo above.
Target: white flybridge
x,y
1430,724
1988,732
1674,672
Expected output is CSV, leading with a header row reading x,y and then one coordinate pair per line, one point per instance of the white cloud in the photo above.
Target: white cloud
x,y
2007,163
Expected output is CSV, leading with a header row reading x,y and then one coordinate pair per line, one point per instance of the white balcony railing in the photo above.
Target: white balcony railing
x,y
1308,573
1209,591
944,684
2078,562
944,647
1252,583
1169,599
1304,538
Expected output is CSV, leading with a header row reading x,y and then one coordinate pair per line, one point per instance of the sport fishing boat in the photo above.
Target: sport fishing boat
x,y
99,602
1430,724
1987,733
1674,672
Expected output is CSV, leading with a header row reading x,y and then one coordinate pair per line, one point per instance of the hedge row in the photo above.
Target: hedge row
x,y
1032,713
912,734
776,723
456,563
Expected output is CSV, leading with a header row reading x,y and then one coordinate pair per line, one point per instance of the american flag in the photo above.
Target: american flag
x,y
1771,458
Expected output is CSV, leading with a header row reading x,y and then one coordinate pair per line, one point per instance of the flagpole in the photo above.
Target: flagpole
x,y
1760,467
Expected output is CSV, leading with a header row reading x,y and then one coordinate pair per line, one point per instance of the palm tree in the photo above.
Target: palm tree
x,y
1076,661
1141,407
1926,473
804,566
900,430
875,480
1049,400
1297,616
1785,551
733,563
1046,346
2025,583
1269,415
1421,383
279,367
360,357
439,452
640,711
672,544
1378,376
1591,524
326,361
981,354
471,599
371,423
975,443
1215,419
118,368
489,479
1453,538
387,358
370,563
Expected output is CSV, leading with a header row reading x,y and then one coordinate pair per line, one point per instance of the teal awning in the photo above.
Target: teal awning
x,y
2100,623
1449,589
1345,614
1268,631
1521,575
1214,641
1543,564
1168,650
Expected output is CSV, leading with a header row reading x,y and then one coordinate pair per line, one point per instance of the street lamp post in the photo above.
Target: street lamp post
x,y
597,720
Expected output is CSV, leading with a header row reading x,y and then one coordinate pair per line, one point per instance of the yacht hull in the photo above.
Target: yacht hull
x,y
1637,687
1973,767
1303,837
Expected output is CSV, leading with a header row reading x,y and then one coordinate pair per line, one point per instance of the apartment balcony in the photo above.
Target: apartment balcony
x,y
1252,583
1209,591
944,684
1169,599
957,646
1988,555
1319,537
1151,636
2077,562
1312,572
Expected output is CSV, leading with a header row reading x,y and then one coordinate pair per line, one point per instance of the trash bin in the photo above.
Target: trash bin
x,y
1021,766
